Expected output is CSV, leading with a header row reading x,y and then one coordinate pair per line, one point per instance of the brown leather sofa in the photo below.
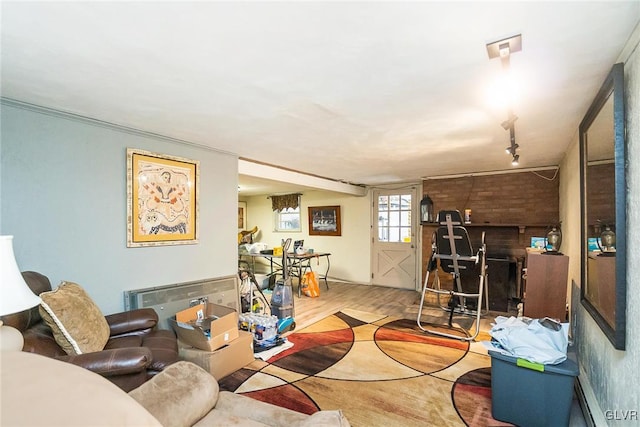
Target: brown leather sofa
x,y
135,352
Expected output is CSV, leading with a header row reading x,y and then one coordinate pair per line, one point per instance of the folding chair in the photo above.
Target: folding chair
x,y
451,249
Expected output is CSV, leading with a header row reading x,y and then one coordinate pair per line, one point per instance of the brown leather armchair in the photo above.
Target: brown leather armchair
x,y
136,349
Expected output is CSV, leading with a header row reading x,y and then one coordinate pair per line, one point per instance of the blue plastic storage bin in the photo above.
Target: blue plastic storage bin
x,y
528,397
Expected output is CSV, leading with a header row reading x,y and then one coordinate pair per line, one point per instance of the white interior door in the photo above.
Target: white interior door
x,y
394,248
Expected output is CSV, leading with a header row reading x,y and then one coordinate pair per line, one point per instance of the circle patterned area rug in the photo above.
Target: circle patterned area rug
x,y
379,370
471,395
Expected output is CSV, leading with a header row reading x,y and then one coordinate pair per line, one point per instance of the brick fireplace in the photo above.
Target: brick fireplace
x,y
510,209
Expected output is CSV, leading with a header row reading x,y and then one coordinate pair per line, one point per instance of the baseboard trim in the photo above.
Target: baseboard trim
x,y
584,405
593,416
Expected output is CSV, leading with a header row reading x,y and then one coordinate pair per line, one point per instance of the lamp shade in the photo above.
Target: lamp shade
x,y
16,295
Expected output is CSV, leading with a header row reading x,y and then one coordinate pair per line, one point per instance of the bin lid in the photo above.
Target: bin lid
x,y
568,367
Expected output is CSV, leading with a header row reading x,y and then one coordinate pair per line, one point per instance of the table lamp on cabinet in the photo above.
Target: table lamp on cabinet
x,y
16,295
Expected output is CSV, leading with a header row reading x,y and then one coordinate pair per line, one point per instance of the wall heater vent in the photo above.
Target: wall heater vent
x,y
169,299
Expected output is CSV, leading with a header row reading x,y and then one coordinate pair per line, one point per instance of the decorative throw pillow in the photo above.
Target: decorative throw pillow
x,y
77,323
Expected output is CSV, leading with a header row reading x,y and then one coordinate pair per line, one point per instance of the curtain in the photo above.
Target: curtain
x,y
279,203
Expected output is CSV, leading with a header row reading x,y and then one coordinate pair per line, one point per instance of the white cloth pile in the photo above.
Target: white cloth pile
x,y
536,340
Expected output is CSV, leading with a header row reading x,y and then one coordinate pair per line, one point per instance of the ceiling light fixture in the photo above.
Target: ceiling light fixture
x,y
512,149
507,124
503,49
510,126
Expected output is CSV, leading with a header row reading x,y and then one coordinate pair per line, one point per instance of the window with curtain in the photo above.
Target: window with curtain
x,y
286,212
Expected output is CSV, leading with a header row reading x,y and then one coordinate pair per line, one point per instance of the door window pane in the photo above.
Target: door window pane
x,y
394,202
405,202
405,234
394,234
383,202
394,218
383,219
405,219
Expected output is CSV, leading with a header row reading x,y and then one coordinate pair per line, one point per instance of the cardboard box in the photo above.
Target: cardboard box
x,y
235,355
218,327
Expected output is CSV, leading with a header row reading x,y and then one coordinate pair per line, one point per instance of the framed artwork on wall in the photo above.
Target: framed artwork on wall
x,y
162,199
242,216
324,221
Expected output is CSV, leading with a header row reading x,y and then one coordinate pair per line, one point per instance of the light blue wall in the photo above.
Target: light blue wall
x,y
63,192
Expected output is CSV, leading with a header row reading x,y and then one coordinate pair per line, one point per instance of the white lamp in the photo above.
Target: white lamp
x,y
16,295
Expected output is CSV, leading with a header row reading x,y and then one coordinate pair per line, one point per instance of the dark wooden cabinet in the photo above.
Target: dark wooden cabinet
x,y
545,293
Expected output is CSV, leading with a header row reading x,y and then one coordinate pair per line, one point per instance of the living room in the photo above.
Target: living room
x,y
64,199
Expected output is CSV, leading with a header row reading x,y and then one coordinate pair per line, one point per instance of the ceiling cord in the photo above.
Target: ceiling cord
x,y
544,177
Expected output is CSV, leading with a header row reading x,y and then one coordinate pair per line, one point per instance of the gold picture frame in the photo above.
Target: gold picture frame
x,y
162,199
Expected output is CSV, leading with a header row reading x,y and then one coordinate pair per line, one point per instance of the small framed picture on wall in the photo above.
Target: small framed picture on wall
x,y
324,221
242,216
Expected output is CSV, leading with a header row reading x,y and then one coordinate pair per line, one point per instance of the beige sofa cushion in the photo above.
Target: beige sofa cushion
x,y
326,419
62,395
238,410
179,395
77,323
235,409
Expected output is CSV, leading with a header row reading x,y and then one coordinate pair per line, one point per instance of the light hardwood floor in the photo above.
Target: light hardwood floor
x,y
373,299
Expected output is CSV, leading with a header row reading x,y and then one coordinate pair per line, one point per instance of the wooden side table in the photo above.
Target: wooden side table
x,y
546,286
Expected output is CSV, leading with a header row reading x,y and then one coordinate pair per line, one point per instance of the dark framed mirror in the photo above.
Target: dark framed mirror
x,y
603,209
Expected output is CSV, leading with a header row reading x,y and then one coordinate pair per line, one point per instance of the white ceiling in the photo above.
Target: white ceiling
x,y
361,92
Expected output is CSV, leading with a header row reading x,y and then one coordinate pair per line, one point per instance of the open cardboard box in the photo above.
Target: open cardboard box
x,y
224,361
220,321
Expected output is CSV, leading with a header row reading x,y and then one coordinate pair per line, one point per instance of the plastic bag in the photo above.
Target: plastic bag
x,y
245,284
540,340
310,285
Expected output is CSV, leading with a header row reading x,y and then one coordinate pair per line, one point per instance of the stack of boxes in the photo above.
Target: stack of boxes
x,y
208,336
